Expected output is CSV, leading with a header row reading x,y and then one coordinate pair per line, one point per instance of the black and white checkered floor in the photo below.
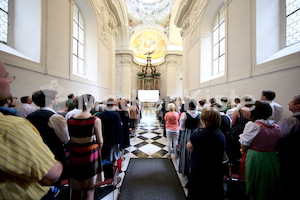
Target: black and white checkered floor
x,y
148,142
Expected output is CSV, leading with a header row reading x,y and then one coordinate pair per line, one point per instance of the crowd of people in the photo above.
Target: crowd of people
x,y
43,145
51,142
257,141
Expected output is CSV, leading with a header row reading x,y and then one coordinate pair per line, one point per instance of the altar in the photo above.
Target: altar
x,y
148,77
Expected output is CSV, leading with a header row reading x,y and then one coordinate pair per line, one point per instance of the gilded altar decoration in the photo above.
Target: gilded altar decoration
x,y
148,77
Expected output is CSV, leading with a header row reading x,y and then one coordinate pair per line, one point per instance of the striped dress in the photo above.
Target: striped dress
x,y
85,160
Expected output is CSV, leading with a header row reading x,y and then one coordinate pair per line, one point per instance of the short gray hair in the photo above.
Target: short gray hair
x,y
171,107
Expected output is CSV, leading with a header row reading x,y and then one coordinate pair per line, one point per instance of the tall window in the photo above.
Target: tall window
x,y
78,42
292,22
3,21
219,43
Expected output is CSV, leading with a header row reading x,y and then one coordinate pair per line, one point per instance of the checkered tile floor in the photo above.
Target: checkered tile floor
x,y
148,141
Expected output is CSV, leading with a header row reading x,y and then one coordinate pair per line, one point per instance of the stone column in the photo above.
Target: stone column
x,y
172,77
125,67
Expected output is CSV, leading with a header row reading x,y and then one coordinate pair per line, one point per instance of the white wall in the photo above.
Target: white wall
x,y
54,68
247,71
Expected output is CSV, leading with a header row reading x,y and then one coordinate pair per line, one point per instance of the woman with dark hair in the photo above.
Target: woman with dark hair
x,y
113,136
260,161
124,115
207,146
189,121
240,117
85,157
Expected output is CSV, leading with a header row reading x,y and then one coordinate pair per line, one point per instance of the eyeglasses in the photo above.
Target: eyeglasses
x,y
8,77
12,98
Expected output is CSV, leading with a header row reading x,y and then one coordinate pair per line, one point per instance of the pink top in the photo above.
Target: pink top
x,y
172,120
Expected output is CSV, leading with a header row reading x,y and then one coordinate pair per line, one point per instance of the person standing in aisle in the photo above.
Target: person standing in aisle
x,y
207,146
172,129
189,122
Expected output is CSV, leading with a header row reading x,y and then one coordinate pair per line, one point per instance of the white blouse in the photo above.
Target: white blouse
x,y
251,130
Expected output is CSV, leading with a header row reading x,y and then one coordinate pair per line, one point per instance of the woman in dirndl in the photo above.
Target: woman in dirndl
x,y
260,165
189,122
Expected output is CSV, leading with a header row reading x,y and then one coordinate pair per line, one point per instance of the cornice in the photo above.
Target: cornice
x,y
182,9
118,10
106,20
192,17
124,53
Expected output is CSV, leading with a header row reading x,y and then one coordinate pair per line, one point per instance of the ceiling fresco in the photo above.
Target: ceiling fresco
x,y
148,42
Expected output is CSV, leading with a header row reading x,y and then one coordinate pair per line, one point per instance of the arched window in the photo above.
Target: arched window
x,y
219,43
3,21
78,42
292,22
213,42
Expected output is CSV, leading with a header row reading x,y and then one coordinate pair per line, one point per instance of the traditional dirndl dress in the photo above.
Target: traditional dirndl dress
x,y
262,167
191,125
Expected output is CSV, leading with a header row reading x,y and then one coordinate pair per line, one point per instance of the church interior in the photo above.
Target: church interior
x,y
119,49
201,49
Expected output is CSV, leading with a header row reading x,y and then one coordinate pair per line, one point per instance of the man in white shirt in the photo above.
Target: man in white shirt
x,y
52,126
237,105
75,111
269,96
25,108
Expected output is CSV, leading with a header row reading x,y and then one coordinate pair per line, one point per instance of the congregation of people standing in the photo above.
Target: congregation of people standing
x,y
257,140
48,146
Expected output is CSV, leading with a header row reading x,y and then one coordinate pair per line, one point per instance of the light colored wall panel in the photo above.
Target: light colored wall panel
x,y
57,48
194,66
104,72
27,82
239,46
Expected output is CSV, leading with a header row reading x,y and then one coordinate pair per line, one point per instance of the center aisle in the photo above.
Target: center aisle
x,y
148,142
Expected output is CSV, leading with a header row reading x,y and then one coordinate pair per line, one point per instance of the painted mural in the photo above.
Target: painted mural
x,y
147,43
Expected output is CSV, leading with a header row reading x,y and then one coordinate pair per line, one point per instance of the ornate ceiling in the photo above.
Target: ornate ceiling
x,y
146,15
149,12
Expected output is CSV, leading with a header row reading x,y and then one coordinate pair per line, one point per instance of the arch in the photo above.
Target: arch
x,y
88,14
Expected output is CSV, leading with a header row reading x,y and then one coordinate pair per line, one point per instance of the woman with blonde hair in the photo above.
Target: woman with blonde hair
x,y
207,146
172,129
